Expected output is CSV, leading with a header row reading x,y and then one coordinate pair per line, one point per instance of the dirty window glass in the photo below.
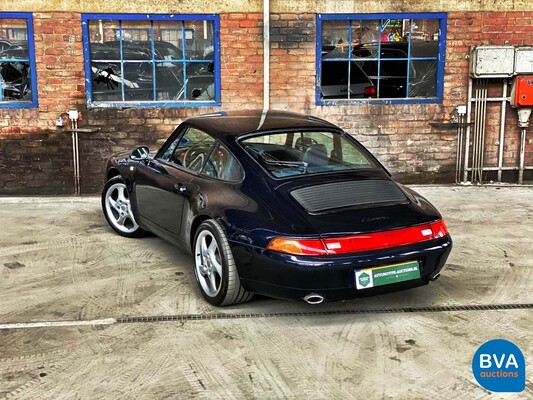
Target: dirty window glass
x,y
17,66
389,56
164,60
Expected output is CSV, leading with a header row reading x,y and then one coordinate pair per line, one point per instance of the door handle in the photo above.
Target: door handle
x,y
180,187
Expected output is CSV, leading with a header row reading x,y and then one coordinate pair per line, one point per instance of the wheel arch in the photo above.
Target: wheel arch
x,y
112,173
194,227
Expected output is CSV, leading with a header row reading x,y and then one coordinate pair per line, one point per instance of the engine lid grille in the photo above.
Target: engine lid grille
x,y
329,196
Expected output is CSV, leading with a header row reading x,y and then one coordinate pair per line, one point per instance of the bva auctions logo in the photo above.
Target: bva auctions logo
x,y
499,366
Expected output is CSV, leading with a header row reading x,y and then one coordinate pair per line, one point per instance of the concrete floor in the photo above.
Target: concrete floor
x,y
59,261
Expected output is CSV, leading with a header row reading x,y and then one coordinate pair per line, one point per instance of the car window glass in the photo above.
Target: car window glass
x,y
192,149
298,153
169,151
223,165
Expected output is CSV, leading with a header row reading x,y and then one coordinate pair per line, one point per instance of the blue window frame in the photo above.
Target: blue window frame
x,y
121,72
380,58
18,80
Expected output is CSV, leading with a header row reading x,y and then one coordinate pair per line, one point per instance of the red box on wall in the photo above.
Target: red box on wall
x,y
522,92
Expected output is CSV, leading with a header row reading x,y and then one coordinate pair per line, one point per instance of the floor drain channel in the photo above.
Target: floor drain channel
x,y
201,317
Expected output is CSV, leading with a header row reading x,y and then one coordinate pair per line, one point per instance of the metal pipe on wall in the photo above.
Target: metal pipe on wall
x,y
522,155
482,132
467,130
502,130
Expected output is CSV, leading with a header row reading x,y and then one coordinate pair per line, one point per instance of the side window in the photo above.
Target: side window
x,y
368,57
192,149
151,60
17,61
223,165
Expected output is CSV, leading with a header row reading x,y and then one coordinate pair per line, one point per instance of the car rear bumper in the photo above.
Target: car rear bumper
x,y
333,277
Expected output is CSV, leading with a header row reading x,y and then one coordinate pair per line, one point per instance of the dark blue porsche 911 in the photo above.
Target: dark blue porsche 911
x,y
278,204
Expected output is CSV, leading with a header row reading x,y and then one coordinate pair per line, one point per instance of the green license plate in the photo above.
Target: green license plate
x,y
379,276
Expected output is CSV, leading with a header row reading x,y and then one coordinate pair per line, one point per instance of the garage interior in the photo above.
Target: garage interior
x,y
87,314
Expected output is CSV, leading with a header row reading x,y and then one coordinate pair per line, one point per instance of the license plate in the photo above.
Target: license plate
x,y
379,276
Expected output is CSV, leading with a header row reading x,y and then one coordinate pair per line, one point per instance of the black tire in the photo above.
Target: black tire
x,y
117,209
215,270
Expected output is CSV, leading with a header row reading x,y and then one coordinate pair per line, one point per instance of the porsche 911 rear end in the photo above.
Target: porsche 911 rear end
x,y
367,234
359,250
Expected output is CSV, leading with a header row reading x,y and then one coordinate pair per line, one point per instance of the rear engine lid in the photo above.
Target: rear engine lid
x,y
360,206
364,193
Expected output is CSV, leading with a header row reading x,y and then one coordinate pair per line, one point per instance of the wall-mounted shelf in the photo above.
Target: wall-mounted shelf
x,y
450,125
83,130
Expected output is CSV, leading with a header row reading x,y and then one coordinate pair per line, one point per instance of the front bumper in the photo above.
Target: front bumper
x,y
333,277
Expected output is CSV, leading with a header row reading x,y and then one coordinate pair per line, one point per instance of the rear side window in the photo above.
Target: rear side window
x,y
192,149
223,165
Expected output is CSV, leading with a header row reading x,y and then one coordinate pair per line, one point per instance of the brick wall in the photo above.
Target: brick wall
x,y
35,157
241,39
292,61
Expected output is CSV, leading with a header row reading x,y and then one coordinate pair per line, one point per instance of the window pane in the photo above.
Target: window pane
x,y
199,40
364,32
15,73
425,30
394,58
423,82
158,60
334,35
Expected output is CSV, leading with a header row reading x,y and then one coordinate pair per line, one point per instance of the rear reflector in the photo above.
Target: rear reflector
x,y
359,243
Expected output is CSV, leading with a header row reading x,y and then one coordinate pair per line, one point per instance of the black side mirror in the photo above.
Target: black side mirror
x,y
140,153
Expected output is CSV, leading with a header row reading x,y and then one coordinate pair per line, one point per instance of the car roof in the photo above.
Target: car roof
x,y
223,125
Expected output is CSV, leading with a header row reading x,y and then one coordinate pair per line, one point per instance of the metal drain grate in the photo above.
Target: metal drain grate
x,y
202,317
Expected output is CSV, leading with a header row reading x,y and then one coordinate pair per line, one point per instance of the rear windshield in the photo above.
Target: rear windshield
x,y
300,153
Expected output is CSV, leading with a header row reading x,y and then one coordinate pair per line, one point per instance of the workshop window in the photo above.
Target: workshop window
x,y
18,83
380,58
151,60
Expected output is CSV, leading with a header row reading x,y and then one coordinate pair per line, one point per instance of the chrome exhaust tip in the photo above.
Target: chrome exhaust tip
x,y
435,277
313,298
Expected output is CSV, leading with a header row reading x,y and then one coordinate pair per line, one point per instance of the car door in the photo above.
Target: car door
x,y
162,184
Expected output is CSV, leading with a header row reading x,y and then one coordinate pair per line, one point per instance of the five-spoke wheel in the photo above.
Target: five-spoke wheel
x,y
215,268
117,208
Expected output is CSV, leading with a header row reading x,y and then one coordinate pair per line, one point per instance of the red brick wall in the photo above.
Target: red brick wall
x,y
241,39
35,158
292,61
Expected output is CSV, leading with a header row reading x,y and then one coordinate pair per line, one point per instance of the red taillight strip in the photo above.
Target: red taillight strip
x,y
361,242
383,240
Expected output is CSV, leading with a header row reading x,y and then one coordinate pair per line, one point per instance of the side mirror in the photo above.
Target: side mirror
x,y
140,153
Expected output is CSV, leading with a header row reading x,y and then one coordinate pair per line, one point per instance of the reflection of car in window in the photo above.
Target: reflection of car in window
x,y
334,78
389,70
15,75
139,65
